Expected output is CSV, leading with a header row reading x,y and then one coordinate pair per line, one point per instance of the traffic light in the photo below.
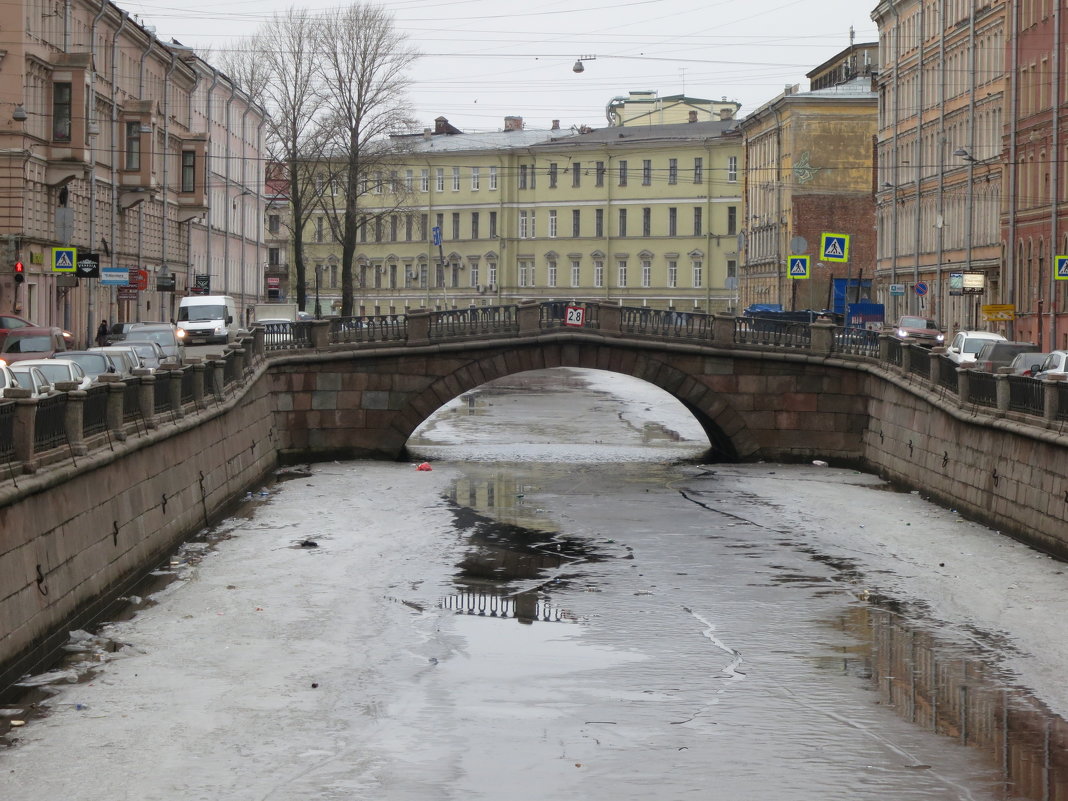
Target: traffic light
x,y
20,272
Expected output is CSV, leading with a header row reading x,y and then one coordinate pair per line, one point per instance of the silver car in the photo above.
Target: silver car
x,y
31,378
57,370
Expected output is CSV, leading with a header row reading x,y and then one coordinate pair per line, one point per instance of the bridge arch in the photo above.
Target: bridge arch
x,y
726,430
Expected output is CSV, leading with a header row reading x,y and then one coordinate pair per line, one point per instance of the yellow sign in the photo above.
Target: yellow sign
x,y
64,260
999,312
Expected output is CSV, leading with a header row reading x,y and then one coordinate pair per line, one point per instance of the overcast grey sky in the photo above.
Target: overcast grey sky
x,y
487,59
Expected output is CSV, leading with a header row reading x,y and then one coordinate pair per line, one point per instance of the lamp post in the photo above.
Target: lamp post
x,y
318,308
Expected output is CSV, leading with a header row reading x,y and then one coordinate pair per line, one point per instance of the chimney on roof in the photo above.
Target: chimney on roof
x,y
513,123
426,134
726,114
693,116
440,125
556,125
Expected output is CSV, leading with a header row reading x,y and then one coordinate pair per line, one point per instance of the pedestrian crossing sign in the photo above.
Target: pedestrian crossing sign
x,y
799,267
64,260
1062,267
834,247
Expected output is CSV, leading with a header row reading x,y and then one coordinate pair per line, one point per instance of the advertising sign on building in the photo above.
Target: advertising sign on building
x,y
201,285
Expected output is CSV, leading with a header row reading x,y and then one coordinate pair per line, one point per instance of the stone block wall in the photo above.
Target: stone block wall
x,y
74,536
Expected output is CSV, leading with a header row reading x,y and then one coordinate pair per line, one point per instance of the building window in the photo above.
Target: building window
x,y
474,225
393,222
576,222
647,221
522,225
621,266
697,273
732,168
697,221
552,175
623,173
363,229
673,221
493,225
732,219
439,221
491,274
698,170
622,223
274,223
647,172
273,256
576,273
455,179
455,226
409,224
409,180
598,274
474,273
522,176
189,171
526,277
133,146
423,222
576,174
439,179
493,179
378,183
319,229
672,274
424,180
673,171
647,273
598,223
439,276
61,112
552,225
550,274
600,173
476,178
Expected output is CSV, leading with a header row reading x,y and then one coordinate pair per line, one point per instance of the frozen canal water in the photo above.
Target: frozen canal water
x,y
565,607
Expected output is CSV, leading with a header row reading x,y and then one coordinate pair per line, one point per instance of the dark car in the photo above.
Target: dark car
x,y
94,364
994,355
167,336
117,332
919,330
33,342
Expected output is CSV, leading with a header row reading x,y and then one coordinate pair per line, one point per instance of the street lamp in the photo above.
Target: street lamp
x,y
318,308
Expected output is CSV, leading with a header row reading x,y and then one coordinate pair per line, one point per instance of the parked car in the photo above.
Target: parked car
x,y
117,332
919,330
995,355
169,337
1054,366
125,358
32,342
94,364
33,379
966,344
1027,363
151,353
7,379
57,370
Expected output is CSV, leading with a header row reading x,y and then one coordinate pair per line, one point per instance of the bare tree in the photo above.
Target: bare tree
x,y
363,63
278,68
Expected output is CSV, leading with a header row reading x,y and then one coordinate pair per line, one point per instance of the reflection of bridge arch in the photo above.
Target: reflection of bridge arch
x,y
725,429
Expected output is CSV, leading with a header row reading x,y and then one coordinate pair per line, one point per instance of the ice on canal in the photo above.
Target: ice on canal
x,y
569,606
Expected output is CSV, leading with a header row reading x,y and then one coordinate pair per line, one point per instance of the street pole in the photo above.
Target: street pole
x,y
318,308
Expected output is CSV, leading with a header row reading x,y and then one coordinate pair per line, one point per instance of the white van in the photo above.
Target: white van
x,y
208,318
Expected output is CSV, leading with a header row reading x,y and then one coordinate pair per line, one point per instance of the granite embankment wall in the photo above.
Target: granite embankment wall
x,y
1005,470
74,536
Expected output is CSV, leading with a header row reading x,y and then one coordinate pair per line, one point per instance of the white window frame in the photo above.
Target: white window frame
x,y
647,273
522,225
455,179
598,273
621,273
550,274
576,272
672,274
439,179
493,179
697,267
552,227
424,179
732,169
476,178
409,180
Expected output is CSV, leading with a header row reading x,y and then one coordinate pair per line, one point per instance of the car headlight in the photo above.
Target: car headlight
x,y
180,333
901,332
941,338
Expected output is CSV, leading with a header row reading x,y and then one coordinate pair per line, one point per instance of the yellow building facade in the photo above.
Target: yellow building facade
x,y
647,215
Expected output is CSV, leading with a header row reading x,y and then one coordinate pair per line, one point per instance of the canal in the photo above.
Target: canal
x,y
569,604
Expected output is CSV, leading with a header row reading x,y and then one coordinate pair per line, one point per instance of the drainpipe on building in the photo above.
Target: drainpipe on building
x,y
244,216
258,177
166,161
969,226
210,217
607,274
779,264
1055,149
1009,279
141,206
917,166
91,120
116,155
940,229
227,200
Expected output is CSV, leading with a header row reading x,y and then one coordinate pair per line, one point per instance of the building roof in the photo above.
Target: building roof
x,y
490,140
671,132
